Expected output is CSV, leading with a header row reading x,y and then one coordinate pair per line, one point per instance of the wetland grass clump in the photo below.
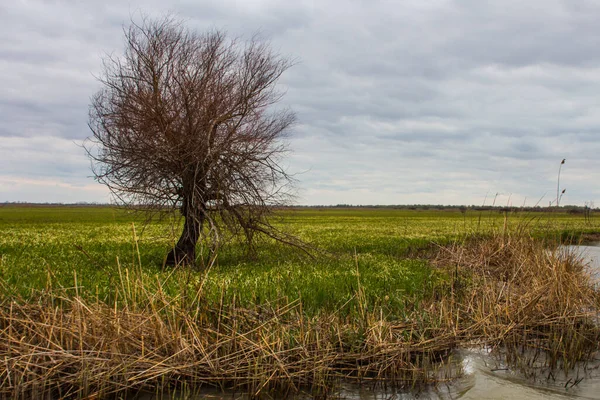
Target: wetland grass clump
x,y
59,346
532,300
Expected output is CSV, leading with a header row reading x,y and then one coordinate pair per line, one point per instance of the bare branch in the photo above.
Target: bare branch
x,y
184,121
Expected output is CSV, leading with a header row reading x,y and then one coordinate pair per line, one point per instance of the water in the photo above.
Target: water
x,y
590,253
484,376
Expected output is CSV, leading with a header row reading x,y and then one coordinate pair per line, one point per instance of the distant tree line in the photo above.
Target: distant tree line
x,y
571,209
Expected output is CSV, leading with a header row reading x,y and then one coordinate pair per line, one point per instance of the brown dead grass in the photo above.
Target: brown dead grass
x,y
83,350
508,292
526,297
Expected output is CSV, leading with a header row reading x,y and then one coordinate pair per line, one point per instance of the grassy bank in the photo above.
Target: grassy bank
x,y
88,310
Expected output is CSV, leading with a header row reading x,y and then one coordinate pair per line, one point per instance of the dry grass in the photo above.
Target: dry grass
x,y
63,347
534,301
508,291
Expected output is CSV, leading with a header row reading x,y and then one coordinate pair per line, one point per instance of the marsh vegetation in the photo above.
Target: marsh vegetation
x,y
88,310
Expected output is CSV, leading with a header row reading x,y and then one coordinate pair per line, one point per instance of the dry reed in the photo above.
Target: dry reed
x,y
534,301
60,346
508,292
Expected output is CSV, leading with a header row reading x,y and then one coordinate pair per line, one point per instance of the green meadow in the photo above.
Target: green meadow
x,y
91,249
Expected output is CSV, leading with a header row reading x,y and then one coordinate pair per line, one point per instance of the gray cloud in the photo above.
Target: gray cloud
x,y
414,102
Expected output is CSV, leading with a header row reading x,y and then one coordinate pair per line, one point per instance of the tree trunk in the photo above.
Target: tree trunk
x,y
184,252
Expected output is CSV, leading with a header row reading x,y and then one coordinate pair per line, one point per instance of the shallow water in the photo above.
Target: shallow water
x,y
484,376
590,253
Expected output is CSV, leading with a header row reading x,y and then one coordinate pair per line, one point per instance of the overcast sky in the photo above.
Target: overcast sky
x,y
398,102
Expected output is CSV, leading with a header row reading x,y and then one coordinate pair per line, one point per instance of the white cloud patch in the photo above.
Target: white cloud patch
x,y
51,191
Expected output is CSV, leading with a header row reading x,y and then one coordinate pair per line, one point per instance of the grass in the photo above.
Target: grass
x,y
42,243
87,309
39,245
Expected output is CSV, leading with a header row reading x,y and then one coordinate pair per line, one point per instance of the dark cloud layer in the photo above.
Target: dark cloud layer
x,y
398,102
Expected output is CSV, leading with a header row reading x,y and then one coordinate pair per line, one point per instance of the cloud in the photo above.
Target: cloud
x,y
15,189
414,102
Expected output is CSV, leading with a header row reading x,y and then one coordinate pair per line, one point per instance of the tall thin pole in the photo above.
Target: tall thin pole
x,y
558,182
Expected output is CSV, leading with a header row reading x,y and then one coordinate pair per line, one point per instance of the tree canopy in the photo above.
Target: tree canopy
x,y
187,121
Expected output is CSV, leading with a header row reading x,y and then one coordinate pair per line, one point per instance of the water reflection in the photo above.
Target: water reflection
x,y
487,378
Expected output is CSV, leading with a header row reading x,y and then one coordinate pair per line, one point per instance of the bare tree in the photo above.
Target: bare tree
x,y
186,121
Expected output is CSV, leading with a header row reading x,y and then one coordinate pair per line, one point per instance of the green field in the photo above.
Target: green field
x,y
93,248
88,311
